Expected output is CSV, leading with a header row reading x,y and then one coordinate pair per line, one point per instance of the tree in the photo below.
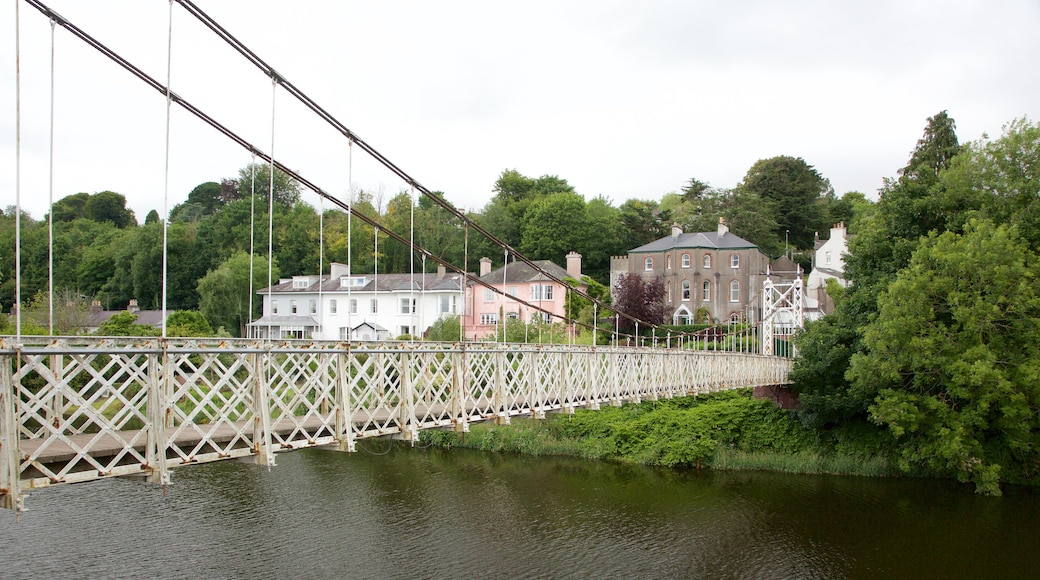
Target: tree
x,y
203,201
640,299
255,179
555,225
70,207
109,206
125,324
934,150
71,311
224,292
954,356
445,329
188,323
797,190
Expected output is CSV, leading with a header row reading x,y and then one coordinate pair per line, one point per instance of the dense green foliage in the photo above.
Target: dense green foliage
x,y
934,341
720,430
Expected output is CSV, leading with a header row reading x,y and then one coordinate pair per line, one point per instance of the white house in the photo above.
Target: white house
x,y
828,262
345,306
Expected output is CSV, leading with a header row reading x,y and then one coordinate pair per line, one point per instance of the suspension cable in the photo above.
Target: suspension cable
x,y
50,202
252,251
165,222
270,213
278,80
17,175
350,254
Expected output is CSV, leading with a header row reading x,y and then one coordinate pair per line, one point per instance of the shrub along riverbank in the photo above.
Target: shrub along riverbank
x,y
727,430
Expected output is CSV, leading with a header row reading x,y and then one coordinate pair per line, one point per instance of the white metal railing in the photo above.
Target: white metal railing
x,y
79,408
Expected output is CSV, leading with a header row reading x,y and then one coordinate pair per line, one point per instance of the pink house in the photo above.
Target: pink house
x,y
485,307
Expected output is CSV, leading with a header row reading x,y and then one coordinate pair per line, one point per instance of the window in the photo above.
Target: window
x,y
685,260
375,306
404,302
648,264
734,260
668,288
292,307
274,307
299,282
353,305
487,319
706,261
546,317
406,330
332,306
685,289
344,333
448,304
668,262
513,316
734,318
734,291
313,306
513,291
827,258
706,291
489,295
541,292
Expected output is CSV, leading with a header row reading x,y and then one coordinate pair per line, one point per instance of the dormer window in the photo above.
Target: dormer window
x,y
300,282
352,281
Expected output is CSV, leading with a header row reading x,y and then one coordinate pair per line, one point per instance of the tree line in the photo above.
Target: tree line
x,y
935,346
102,253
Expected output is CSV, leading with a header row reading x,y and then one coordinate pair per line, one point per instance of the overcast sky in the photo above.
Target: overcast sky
x,y
622,99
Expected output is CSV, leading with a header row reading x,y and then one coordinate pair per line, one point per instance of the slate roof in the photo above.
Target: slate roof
x,y
520,272
387,283
710,240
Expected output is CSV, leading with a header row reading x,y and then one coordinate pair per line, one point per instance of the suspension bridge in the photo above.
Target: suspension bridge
x,y
76,409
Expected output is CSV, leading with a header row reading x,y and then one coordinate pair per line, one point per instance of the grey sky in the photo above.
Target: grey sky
x,y
623,99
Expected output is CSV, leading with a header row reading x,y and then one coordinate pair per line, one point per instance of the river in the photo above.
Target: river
x,y
430,513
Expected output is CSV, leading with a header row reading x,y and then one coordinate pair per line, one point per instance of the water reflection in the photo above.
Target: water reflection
x,y
432,513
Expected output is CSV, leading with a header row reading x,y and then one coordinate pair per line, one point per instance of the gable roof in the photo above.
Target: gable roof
x,y
428,282
707,240
521,272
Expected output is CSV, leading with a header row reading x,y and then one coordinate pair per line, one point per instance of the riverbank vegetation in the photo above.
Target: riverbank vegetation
x,y
726,430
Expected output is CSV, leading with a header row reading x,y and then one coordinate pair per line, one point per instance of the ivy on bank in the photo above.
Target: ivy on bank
x,y
723,430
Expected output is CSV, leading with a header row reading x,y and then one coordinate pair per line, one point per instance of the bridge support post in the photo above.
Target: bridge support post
x,y
593,362
409,425
344,411
262,409
501,404
155,453
535,388
459,389
10,468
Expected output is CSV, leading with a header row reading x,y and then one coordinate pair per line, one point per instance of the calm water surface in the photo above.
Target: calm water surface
x,y
430,513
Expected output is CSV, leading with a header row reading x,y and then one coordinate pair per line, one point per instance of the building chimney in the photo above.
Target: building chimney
x,y
722,226
574,265
485,266
440,271
133,307
676,230
95,306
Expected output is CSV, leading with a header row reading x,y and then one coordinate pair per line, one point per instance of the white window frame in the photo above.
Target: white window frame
x,y
402,306
353,305
648,264
274,307
706,291
488,318
333,306
668,262
374,306
489,295
734,260
312,304
706,261
734,290
541,292
685,261
687,294
292,307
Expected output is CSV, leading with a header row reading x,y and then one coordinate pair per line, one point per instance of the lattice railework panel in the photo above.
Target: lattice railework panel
x,y
513,396
575,377
602,373
552,380
481,379
211,403
302,398
374,394
433,382
82,412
